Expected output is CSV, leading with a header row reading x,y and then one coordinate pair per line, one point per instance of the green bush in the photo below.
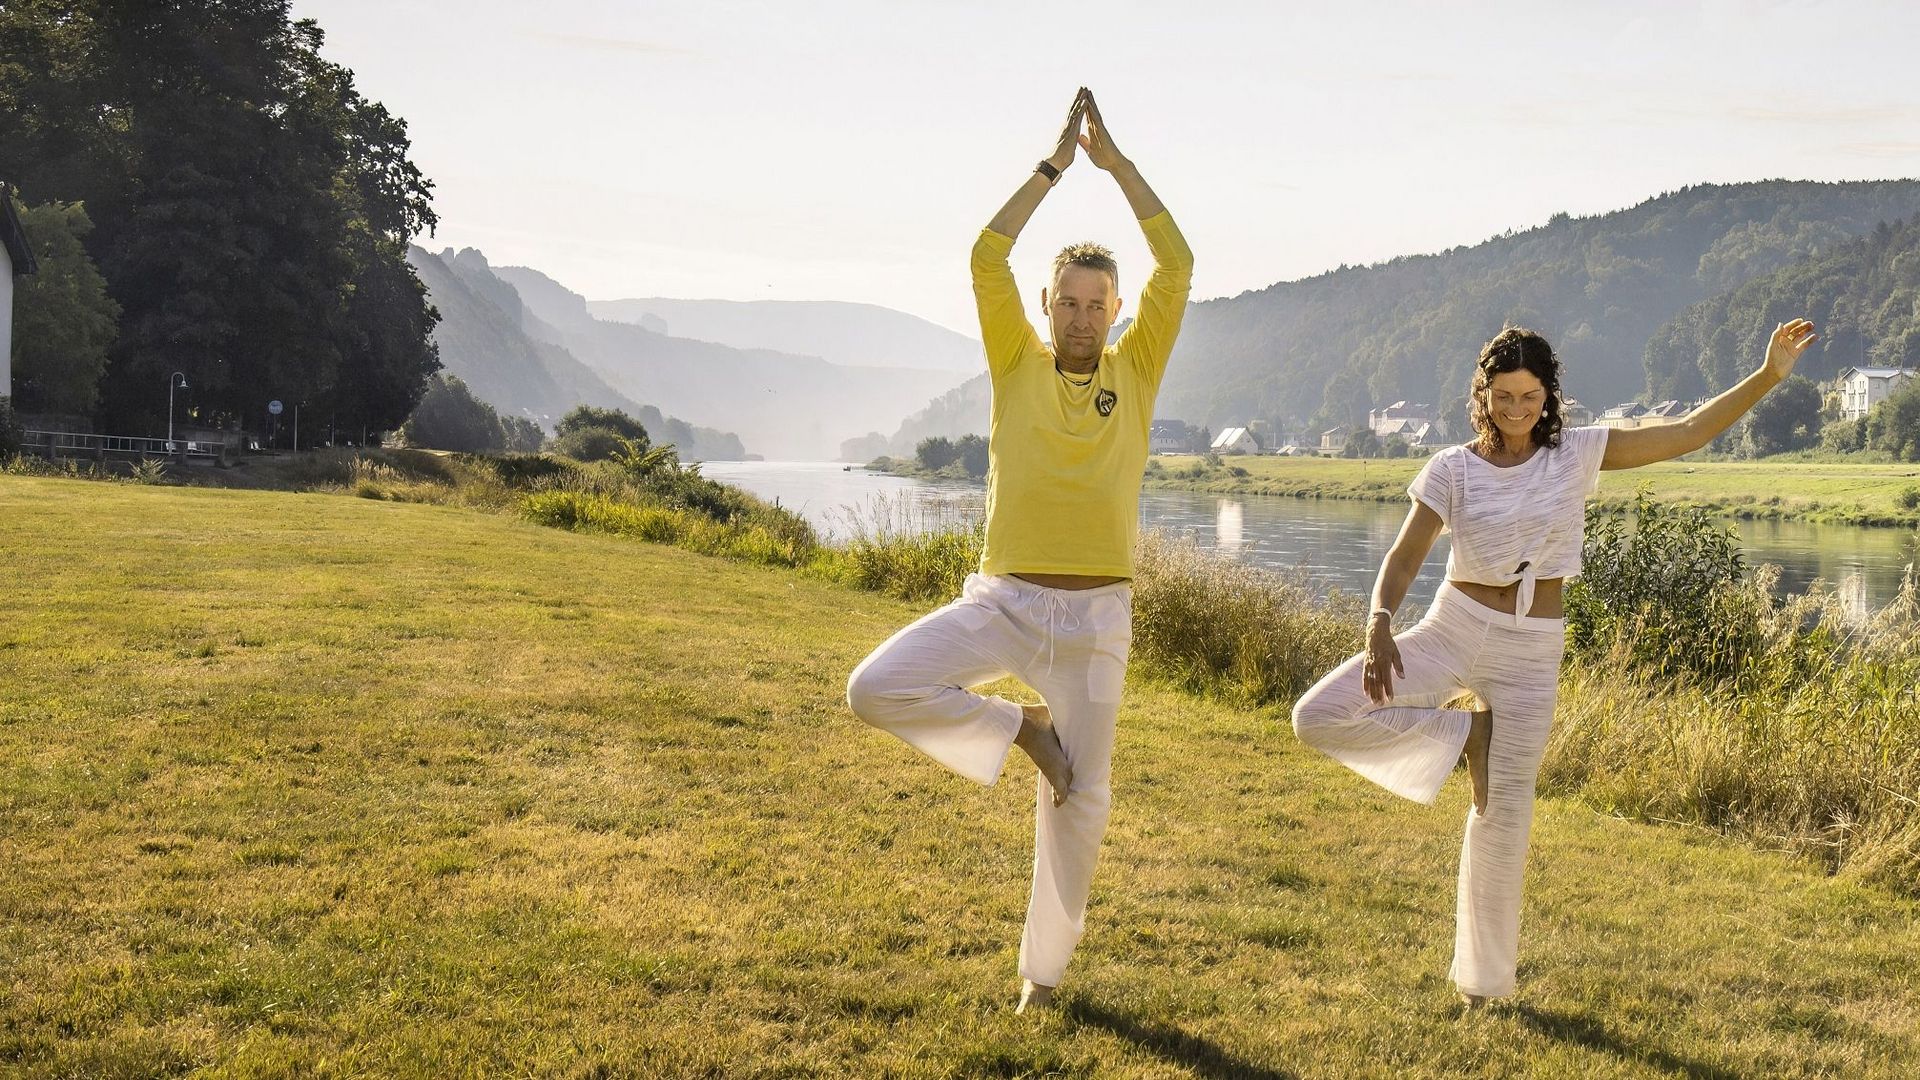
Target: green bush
x,y
1909,499
12,435
589,443
1660,586
522,470
587,416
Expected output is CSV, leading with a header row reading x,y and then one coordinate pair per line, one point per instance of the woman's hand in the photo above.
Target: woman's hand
x,y
1382,660
1790,339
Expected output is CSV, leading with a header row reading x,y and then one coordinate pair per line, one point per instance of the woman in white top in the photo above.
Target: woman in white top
x,y
1514,500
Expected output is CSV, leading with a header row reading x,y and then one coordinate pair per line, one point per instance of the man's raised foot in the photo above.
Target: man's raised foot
x,y
1038,740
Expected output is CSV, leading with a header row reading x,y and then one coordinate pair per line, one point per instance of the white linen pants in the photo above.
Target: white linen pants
x,y
1409,746
1068,645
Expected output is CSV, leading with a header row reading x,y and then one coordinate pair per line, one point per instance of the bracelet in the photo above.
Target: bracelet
x,y
1046,169
1388,612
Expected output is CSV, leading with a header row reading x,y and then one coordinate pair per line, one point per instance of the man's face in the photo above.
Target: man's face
x,y
1080,310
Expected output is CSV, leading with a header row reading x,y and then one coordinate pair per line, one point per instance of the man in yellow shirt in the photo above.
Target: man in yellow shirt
x,y
1051,604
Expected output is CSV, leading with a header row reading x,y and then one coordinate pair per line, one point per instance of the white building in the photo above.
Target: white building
x,y
1235,440
1861,388
1400,418
16,259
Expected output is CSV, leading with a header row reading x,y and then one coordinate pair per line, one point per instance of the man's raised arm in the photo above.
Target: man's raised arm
x,y
1004,328
1163,301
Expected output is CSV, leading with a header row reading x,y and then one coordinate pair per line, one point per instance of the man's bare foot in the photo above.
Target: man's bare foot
x,y
1038,739
1473,1003
1479,741
1034,997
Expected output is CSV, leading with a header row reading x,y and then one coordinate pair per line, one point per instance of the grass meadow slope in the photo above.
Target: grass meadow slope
x,y
304,785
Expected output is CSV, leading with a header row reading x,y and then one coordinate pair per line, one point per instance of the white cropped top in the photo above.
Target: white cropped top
x,y
1519,523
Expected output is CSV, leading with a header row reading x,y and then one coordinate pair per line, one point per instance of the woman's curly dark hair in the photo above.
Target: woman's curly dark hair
x,y
1513,349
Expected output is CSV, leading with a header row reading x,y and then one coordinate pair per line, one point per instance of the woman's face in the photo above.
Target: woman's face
x,y
1515,400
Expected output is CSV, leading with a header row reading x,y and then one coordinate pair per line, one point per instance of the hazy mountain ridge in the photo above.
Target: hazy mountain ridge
x,y
846,334
483,339
783,404
1598,287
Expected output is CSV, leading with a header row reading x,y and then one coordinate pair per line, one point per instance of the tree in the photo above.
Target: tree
x,y
521,435
1363,443
1894,424
251,209
589,416
591,444
936,452
451,418
1786,419
972,453
1844,436
63,319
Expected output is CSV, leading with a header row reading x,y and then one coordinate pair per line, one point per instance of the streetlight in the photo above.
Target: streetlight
x,y
171,387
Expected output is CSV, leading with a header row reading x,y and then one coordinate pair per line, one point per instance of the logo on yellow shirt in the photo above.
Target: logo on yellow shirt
x,y
1104,402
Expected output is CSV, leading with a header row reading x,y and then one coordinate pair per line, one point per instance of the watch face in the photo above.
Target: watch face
x,y
1104,401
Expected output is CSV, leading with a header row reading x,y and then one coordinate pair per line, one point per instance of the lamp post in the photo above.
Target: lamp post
x,y
171,387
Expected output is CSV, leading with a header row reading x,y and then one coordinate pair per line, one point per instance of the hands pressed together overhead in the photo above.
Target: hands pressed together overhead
x,y
1085,130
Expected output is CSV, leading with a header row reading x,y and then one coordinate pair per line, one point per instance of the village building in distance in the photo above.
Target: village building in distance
x,y
1861,388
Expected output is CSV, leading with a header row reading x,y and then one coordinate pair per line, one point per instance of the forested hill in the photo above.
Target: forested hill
x,y
484,337
1598,287
1864,295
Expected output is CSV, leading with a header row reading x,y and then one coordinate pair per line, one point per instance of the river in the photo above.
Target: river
x,y
1338,542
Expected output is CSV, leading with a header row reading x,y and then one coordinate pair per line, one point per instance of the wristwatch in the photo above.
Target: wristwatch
x,y
1046,169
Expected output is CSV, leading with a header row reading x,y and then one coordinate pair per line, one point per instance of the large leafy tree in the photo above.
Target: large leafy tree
x,y
252,209
63,319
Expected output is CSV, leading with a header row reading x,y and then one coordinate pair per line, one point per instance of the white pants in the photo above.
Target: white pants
x,y
1409,747
1071,647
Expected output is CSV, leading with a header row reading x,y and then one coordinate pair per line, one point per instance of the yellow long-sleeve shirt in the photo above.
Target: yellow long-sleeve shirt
x,y
1063,483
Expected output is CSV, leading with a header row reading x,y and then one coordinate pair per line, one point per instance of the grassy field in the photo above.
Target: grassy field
x,y
1824,492
303,785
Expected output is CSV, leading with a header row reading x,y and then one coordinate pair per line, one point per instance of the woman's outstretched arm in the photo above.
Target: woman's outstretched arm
x,y
1630,448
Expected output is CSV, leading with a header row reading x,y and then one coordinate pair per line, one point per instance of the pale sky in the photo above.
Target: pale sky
x,y
851,149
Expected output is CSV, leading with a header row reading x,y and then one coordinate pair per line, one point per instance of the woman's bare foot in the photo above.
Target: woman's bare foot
x,y
1034,997
1473,1003
1038,739
1479,741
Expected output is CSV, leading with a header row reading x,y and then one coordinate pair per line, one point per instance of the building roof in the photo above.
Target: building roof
x,y
1874,372
13,236
1229,436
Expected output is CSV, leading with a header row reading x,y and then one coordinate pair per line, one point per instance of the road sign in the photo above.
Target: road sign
x,y
274,407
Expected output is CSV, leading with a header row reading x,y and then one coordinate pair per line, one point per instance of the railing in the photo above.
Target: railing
x,y
80,444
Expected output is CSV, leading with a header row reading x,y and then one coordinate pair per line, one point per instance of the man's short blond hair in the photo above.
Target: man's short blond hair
x,y
1090,255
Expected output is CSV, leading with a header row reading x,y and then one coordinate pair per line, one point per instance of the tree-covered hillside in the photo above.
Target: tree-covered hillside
x,y
1864,295
1597,287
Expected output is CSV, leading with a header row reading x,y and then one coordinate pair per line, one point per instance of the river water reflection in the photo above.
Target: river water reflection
x,y
1337,542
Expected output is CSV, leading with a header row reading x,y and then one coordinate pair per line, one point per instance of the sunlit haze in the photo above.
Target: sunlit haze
x,y
851,150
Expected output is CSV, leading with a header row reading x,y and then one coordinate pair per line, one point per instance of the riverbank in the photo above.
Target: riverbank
x,y
1823,493
299,785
